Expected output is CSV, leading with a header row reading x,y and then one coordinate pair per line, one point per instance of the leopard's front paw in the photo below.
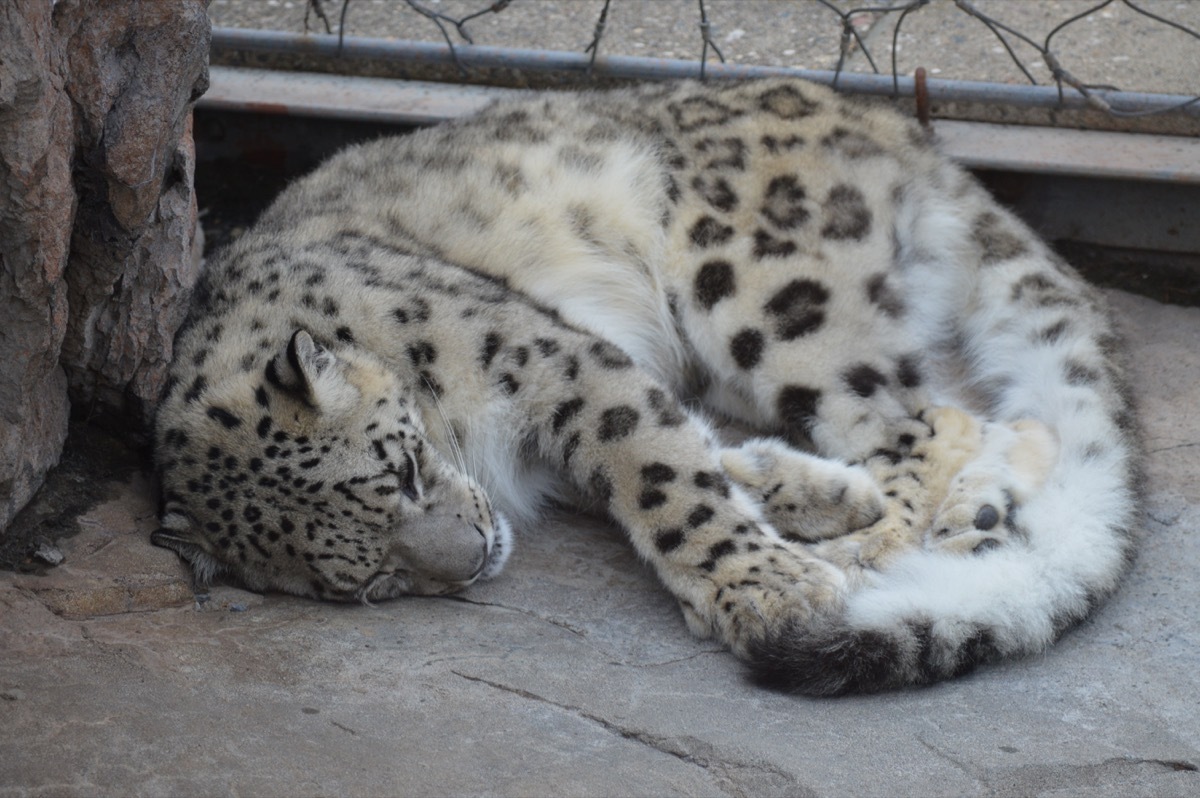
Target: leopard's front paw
x,y
981,509
806,498
915,469
750,595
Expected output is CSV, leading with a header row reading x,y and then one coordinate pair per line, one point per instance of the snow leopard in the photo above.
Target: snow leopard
x,y
866,428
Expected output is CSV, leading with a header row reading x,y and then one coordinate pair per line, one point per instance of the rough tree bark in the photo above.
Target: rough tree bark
x,y
99,247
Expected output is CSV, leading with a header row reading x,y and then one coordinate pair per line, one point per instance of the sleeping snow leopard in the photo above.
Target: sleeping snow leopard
x,y
426,340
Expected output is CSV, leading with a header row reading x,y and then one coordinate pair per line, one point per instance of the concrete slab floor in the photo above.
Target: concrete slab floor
x,y
573,673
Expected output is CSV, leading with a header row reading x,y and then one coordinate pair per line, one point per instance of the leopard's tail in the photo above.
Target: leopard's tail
x,y
1038,343
938,616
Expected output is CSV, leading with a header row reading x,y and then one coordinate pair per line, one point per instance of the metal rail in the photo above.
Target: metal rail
x,y
638,68
976,145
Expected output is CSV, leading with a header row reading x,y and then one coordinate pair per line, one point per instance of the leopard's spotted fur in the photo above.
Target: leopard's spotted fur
x,y
434,333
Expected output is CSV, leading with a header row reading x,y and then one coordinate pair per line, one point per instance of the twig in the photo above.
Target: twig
x,y
597,35
315,7
706,36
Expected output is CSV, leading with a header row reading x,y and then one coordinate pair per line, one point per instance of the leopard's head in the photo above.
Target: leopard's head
x,y
313,475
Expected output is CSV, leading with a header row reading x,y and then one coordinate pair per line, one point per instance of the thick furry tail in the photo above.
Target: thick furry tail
x,y
1037,344
933,616
835,659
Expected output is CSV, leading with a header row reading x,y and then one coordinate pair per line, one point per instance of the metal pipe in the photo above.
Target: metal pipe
x,y
638,68
1129,156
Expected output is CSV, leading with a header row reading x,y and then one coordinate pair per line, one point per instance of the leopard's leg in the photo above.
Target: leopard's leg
x,y
954,490
805,497
843,383
850,382
1012,463
621,437
949,481
937,487
834,348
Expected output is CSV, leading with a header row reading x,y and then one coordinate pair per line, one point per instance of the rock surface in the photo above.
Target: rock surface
x,y
135,252
573,673
97,216
37,208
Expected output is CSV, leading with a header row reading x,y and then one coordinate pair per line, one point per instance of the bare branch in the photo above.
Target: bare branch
x,y
597,35
706,36
849,41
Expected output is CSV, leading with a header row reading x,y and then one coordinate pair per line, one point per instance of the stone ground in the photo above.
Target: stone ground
x,y
573,674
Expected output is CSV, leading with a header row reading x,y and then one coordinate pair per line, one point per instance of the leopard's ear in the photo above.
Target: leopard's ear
x,y
297,368
177,533
310,373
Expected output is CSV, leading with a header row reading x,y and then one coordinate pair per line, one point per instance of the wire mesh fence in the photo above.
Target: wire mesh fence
x,y
1085,51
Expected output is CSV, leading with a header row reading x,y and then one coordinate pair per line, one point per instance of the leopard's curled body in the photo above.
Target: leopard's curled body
x,y
430,337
